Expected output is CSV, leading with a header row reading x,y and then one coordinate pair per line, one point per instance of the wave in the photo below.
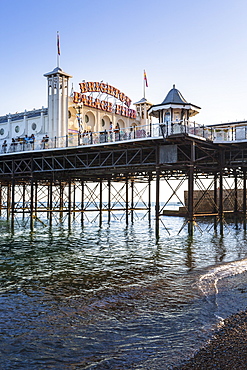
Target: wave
x,y
208,283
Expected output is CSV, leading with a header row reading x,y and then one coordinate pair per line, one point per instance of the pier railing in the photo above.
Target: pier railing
x,y
234,132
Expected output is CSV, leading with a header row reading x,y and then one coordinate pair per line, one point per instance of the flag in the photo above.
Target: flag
x,y
145,78
58,44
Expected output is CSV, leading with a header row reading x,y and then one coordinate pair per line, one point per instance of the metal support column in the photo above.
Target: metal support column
x,y
50,203
1,200
235,192
12,203
31,203
23,200
191,201
61,188
100,203
149,199
221,208
221,202
191,192
157,203
215,201
82,203
132,201
36,198
74,201
127,201
8,199
69,204
109,200
236,199
244,198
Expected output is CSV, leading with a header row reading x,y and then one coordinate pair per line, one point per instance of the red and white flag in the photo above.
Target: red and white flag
x,y
145,78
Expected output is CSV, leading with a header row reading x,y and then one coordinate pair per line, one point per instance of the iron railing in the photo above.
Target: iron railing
x,y
231,133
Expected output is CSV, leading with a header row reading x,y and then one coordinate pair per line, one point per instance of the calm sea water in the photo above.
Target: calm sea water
x,y
115,297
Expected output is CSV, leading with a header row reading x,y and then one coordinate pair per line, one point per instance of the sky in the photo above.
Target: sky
x,y
198,45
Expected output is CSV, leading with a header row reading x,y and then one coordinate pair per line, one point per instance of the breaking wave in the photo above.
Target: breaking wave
x,y
208,283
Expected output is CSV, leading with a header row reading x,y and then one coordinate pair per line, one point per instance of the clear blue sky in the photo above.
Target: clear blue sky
x,y
199,45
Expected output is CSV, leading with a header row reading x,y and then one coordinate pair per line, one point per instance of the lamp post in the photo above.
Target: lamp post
x,y
78,111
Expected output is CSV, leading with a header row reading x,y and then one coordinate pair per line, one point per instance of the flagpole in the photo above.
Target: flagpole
x,y
144,83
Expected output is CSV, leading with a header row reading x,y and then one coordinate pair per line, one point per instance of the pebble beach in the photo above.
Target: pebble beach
x,y
226,350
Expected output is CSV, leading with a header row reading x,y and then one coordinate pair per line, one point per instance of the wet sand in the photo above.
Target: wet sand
x,y
226,350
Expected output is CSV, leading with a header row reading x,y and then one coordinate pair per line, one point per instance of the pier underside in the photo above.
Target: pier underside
x,y
96,183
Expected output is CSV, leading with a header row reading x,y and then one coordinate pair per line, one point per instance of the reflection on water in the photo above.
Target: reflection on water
x,y
113,297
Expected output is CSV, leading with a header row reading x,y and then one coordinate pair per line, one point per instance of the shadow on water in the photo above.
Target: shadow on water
x,y
189,262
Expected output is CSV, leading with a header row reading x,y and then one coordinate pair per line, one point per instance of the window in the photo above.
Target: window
x,y
34,126
1,131
103,122
17,129
86,118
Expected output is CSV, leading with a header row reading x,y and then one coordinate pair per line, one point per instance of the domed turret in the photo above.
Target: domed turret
x,y
174,108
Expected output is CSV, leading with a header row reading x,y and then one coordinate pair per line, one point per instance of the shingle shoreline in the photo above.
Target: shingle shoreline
x,y
226,350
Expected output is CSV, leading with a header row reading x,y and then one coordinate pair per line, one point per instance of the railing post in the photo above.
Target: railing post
x,y
67,141
55,142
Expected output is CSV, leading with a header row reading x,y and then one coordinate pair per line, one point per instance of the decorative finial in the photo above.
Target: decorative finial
x,y
174,86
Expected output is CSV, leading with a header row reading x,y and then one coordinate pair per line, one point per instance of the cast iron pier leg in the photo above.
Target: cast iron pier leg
x,y
132,201
244,200
109,201
50,203
82,203
31,204
157,204
149,199
221,202
13,203
100,203
127,201
191,192
215,201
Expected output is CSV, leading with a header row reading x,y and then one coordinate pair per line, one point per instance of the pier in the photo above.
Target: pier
x,y
89,152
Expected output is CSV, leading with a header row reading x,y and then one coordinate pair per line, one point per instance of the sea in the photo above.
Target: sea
x,y
116,296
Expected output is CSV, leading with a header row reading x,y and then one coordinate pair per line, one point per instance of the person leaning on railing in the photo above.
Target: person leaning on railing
x,y
4,146
116,131
13,145
44,141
